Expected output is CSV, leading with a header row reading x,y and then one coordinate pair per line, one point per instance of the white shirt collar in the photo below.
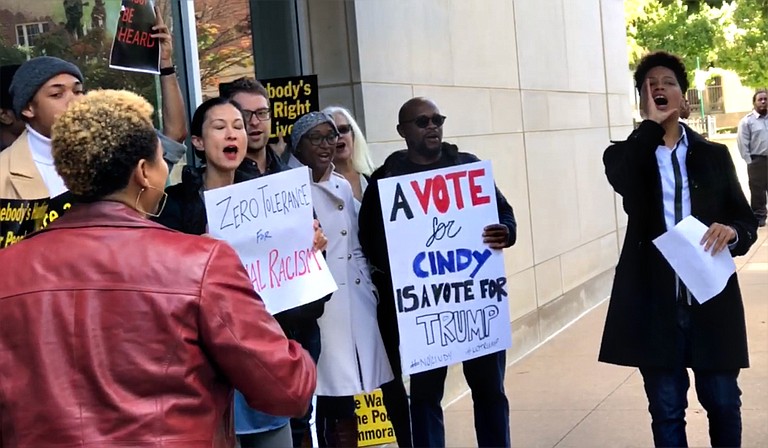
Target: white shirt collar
x,y
40,146
683,139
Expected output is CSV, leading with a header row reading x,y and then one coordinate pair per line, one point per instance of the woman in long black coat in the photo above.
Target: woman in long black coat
x,y
664,172
640,327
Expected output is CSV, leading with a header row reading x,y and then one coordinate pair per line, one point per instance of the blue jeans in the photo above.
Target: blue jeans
x,y
485,377
667,388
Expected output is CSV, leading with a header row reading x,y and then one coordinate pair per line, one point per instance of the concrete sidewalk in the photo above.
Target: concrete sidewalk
x,y
560,396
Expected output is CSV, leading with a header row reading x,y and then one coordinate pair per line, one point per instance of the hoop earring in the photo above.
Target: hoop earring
x,y
160,207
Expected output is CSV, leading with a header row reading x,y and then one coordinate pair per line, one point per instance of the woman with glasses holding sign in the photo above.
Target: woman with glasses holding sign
x,y
117,331
352,359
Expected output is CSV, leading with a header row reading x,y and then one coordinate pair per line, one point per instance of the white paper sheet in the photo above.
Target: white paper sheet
x,y
268,221
704,275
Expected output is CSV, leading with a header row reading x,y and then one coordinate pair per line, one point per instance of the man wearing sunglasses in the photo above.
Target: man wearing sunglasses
x,y
421,125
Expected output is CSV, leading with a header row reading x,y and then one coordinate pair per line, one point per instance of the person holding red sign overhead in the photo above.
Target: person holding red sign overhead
x,y
421,125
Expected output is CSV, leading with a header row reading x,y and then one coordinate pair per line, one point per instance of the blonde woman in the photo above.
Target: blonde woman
x,y
352,159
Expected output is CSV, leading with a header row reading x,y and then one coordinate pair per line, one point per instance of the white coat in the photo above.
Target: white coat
x,y
349,330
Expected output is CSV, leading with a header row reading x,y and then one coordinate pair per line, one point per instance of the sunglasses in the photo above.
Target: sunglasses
x,y
422,121
344,129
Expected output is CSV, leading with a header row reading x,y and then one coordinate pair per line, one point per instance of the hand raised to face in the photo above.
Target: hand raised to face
x,y
653,111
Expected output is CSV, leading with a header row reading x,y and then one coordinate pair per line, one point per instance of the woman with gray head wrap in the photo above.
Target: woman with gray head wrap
x,y
353,358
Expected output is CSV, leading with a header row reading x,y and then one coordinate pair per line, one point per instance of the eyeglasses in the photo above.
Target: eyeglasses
x,y
422,121
318,139
261,114
344,129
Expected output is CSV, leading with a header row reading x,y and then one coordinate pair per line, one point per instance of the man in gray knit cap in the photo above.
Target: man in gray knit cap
x,y
42,89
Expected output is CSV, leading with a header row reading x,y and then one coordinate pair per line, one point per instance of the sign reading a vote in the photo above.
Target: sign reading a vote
x,y
450,287
269,222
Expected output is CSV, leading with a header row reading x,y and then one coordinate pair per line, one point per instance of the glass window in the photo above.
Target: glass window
x,y
21,36
224,42
28,33
80,31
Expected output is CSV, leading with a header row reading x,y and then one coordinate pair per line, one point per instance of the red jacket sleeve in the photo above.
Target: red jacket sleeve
x,y
275,375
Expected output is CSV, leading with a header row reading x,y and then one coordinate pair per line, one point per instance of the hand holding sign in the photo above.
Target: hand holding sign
x,y
269,223
496,236
449,285
163,35
135,46
319,242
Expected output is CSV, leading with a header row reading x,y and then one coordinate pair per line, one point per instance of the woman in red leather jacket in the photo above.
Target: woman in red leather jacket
x,y
117,331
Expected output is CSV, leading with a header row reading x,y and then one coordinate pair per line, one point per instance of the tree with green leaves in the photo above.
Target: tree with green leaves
x,y
731,35
10,54
673,26
745,47
695,5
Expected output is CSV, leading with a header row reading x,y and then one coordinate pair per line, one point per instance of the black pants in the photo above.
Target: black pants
x,y
308,335
485,378
758,186
393,392
330,409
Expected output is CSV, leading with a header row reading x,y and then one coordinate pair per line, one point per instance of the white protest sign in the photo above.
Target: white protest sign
x,y
450,287
268,221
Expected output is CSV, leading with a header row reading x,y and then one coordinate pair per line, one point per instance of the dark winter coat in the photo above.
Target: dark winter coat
x,y
640,329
